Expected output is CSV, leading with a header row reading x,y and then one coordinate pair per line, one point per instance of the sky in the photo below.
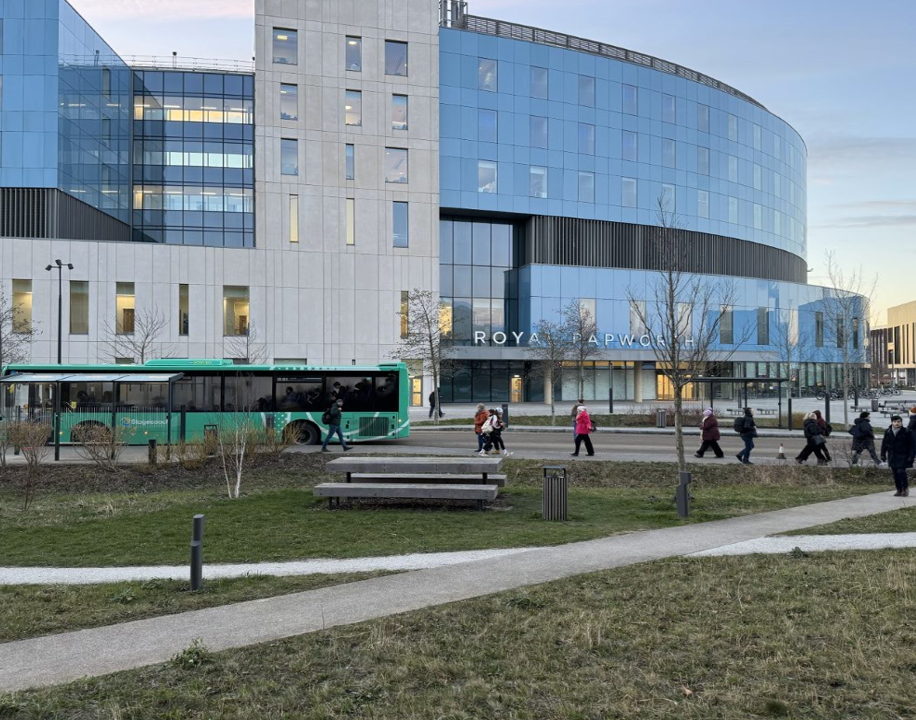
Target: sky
x,y
841,72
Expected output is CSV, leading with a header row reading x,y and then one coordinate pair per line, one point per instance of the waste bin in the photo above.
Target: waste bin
x,y
661,418
555,493
874,405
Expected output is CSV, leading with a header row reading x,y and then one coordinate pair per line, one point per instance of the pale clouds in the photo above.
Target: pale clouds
x,y
164,10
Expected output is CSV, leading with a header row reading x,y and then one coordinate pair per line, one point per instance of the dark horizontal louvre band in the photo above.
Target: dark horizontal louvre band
x,y
48,213
599,243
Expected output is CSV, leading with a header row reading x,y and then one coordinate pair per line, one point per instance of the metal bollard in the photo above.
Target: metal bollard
x,y
153,452
197,553
682,495
661,418
555,493
506,415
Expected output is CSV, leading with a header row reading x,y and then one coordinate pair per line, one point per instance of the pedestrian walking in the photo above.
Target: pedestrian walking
x,y
497,433
710,435
480,417
898,450
332,419
863,438
574,414
747,428
584,429
826,430
814,437
432,404
911,426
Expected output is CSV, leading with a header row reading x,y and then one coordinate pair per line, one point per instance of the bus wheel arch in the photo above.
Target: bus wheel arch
x,y
303,432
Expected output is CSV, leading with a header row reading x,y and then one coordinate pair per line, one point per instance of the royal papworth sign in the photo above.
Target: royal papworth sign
x,y
607,340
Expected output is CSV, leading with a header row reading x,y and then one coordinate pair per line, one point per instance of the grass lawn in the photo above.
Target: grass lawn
x,y
824,637
34,610
898,521
279,519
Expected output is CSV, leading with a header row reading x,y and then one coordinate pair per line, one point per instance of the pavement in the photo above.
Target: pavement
x,y
69,656
813,543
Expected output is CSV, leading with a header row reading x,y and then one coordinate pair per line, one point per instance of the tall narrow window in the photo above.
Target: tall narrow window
x,y
486,75
125,308
586,187
538,181
294,218
703,203
819,329
758,217
289,157
405,314
727,326
398,112
668,198
630,100
733,127
855,334
840,332
702,160
79,307
22,306
763,326
637,317
587,91
733,210
630,146
236,310
350,161
395,165
486,176
106,123
351,221
586,139
286,47
353,107
486,126
732,169
395,58
539,83
538,131
669,153
184,310
758,137
758,177
703,118
289,102
106,82
354,54
669,109
400,220
628,192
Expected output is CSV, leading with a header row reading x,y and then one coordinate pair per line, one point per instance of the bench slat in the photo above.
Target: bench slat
x,y
499,480
415,490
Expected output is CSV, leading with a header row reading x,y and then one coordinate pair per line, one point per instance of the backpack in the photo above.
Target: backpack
x,y
739,425
828,430
326,418
855,431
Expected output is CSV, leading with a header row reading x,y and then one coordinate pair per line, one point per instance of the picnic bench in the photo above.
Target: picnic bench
x,y
766,411
476,479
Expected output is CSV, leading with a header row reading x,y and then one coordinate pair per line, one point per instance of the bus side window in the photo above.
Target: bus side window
x,y
300,394
386,393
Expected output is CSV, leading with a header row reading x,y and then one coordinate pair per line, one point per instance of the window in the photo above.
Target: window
x,y
353,107
286,47
539,83
400,225
395,165
405,314
538,131
79,307
819,329
350,161
398,112
184,309
354,54
586,139
289,102
669,153
727,326
668,198
777,185
22,306
758,217
106,122
763,326
587,187
732,128
630,146
289,157
703,203
685,321
733,210
855,333
486,75
294,218
777,222
669,109
236,310
125,308
732,169
106,82
840,333
351,221
702,160
630,100
395,58
628,192
777,146
758,177
486,126
703,118
587,91
538,181
486,176
637,315
758,137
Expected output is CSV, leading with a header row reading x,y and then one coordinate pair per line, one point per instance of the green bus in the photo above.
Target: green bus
x,y
181,400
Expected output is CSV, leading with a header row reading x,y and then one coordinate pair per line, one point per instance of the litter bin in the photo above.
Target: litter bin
x,y
874,405
555,493
661,418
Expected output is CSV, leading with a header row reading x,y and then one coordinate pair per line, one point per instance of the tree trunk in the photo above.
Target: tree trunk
x,y
679,427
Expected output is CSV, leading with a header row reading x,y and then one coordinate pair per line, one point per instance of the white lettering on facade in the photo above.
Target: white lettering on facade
x,y
609,339
479,337
500,338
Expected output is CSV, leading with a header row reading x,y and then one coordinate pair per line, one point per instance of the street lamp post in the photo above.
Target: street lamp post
x,y
59,266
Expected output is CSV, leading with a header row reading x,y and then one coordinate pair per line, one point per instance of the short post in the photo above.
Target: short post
x,y
506,414
183,423
555,493
790,413
855,395
661,418
610,401
153,452
682,495
197,553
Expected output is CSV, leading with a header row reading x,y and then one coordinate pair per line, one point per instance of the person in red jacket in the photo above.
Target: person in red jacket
x,y
480,418
711,435
583,430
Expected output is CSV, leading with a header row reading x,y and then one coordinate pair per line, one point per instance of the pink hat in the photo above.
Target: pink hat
x,y
707,412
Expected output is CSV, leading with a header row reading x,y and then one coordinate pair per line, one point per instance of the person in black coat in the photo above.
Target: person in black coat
x,y
432,404
748,431
899,450
813,431
863,439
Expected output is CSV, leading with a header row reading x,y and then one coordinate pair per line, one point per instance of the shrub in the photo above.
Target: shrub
x,y
193,656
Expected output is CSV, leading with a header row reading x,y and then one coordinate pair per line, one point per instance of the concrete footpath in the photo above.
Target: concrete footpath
x,y
66,657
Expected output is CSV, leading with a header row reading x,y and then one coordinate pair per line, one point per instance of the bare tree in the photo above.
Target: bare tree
x,y
847,306
102,445
247,349
684,318
424,337
786,340
32,440
15,336
549,353
581,331
142,342
238,436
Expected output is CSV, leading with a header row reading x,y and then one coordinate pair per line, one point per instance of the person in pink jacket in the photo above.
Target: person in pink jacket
x,y
583,431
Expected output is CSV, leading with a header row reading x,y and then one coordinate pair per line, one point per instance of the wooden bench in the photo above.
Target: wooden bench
x,y
478,493
498,480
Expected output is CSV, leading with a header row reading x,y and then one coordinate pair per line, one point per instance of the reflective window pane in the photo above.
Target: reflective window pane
x,y
669,153
630,100
486,176
703,118
703,160
395,58
353,107
289,157
354,54
400,225
586,187
669,109
538,131
630,149
538,182
539,83
486,75
703,203
628,192
289,102
350,161
586,139
286,47
486,126
398,112
395,165
587,91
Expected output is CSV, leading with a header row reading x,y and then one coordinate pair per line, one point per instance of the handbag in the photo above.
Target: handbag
x,y
819,440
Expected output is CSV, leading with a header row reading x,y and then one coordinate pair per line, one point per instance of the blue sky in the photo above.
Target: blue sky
x,y
840,71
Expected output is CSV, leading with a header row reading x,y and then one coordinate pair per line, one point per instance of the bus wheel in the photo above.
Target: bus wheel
x,y
303,433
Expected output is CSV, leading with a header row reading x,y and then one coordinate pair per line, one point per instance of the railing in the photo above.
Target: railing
x,y
175,62
500,28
